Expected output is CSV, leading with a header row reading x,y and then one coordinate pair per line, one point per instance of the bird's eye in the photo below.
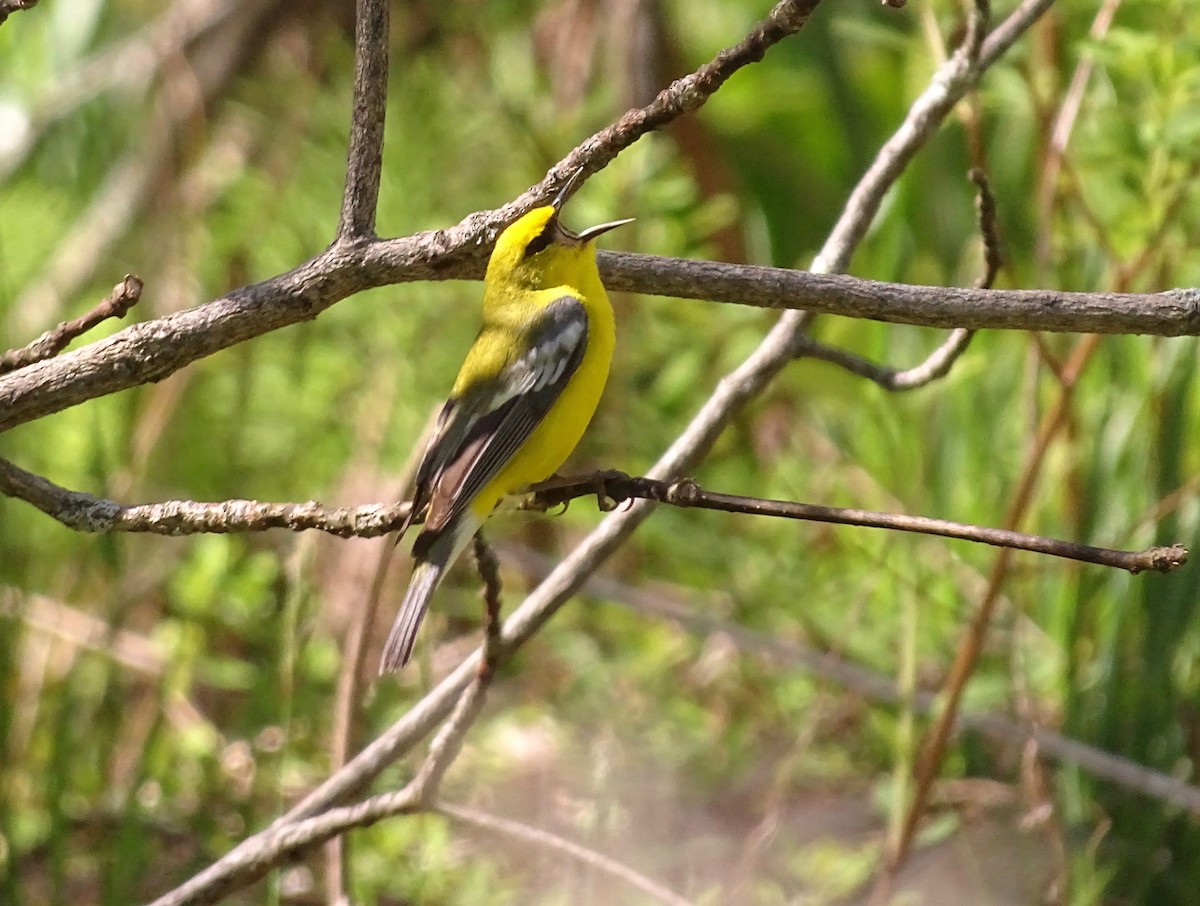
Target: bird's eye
x,y
541,240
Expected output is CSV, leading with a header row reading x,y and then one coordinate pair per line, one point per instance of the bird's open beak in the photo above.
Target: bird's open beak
x,y
592,232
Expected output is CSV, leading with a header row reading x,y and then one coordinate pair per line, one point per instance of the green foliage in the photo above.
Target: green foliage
x,y
164,697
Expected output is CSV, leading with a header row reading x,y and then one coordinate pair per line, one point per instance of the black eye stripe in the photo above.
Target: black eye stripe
x,y
541,240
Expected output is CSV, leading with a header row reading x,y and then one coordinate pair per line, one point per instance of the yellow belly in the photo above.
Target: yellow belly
x,y
560,431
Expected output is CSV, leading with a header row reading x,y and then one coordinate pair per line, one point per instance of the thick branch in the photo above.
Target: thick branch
x,y
152,350
1171,313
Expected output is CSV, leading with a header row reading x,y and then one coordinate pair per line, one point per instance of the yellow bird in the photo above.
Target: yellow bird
x,y
524,395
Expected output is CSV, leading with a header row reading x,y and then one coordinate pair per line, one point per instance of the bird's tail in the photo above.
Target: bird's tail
x,y
440,551
398,650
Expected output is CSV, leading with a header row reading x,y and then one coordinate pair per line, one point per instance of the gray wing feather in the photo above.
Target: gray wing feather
x,y
473,448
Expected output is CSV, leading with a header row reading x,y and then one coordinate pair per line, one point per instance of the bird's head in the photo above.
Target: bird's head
x,y
537,252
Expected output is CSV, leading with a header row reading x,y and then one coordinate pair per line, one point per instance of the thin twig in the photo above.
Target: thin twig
x,y
489,572
365,161
117,304
989,228
619,487
939,362
543,839
936,365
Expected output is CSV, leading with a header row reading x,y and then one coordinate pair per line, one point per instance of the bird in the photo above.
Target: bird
x,y
522,400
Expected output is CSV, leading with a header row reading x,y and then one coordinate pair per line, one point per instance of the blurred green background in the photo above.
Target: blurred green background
x,y
164,697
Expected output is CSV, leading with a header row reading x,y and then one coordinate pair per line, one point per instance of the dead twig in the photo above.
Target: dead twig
x,y
489,571
939,362
619,487
117,304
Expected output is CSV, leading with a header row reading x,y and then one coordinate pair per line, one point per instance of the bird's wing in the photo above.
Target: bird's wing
x,y
482,430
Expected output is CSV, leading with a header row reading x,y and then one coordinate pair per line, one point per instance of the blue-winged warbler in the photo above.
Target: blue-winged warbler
x,y
523,397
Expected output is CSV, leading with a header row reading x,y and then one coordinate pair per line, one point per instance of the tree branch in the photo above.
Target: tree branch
x,y
365,160
86,513
619,487
425,256
936,365
153,350
1171,313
